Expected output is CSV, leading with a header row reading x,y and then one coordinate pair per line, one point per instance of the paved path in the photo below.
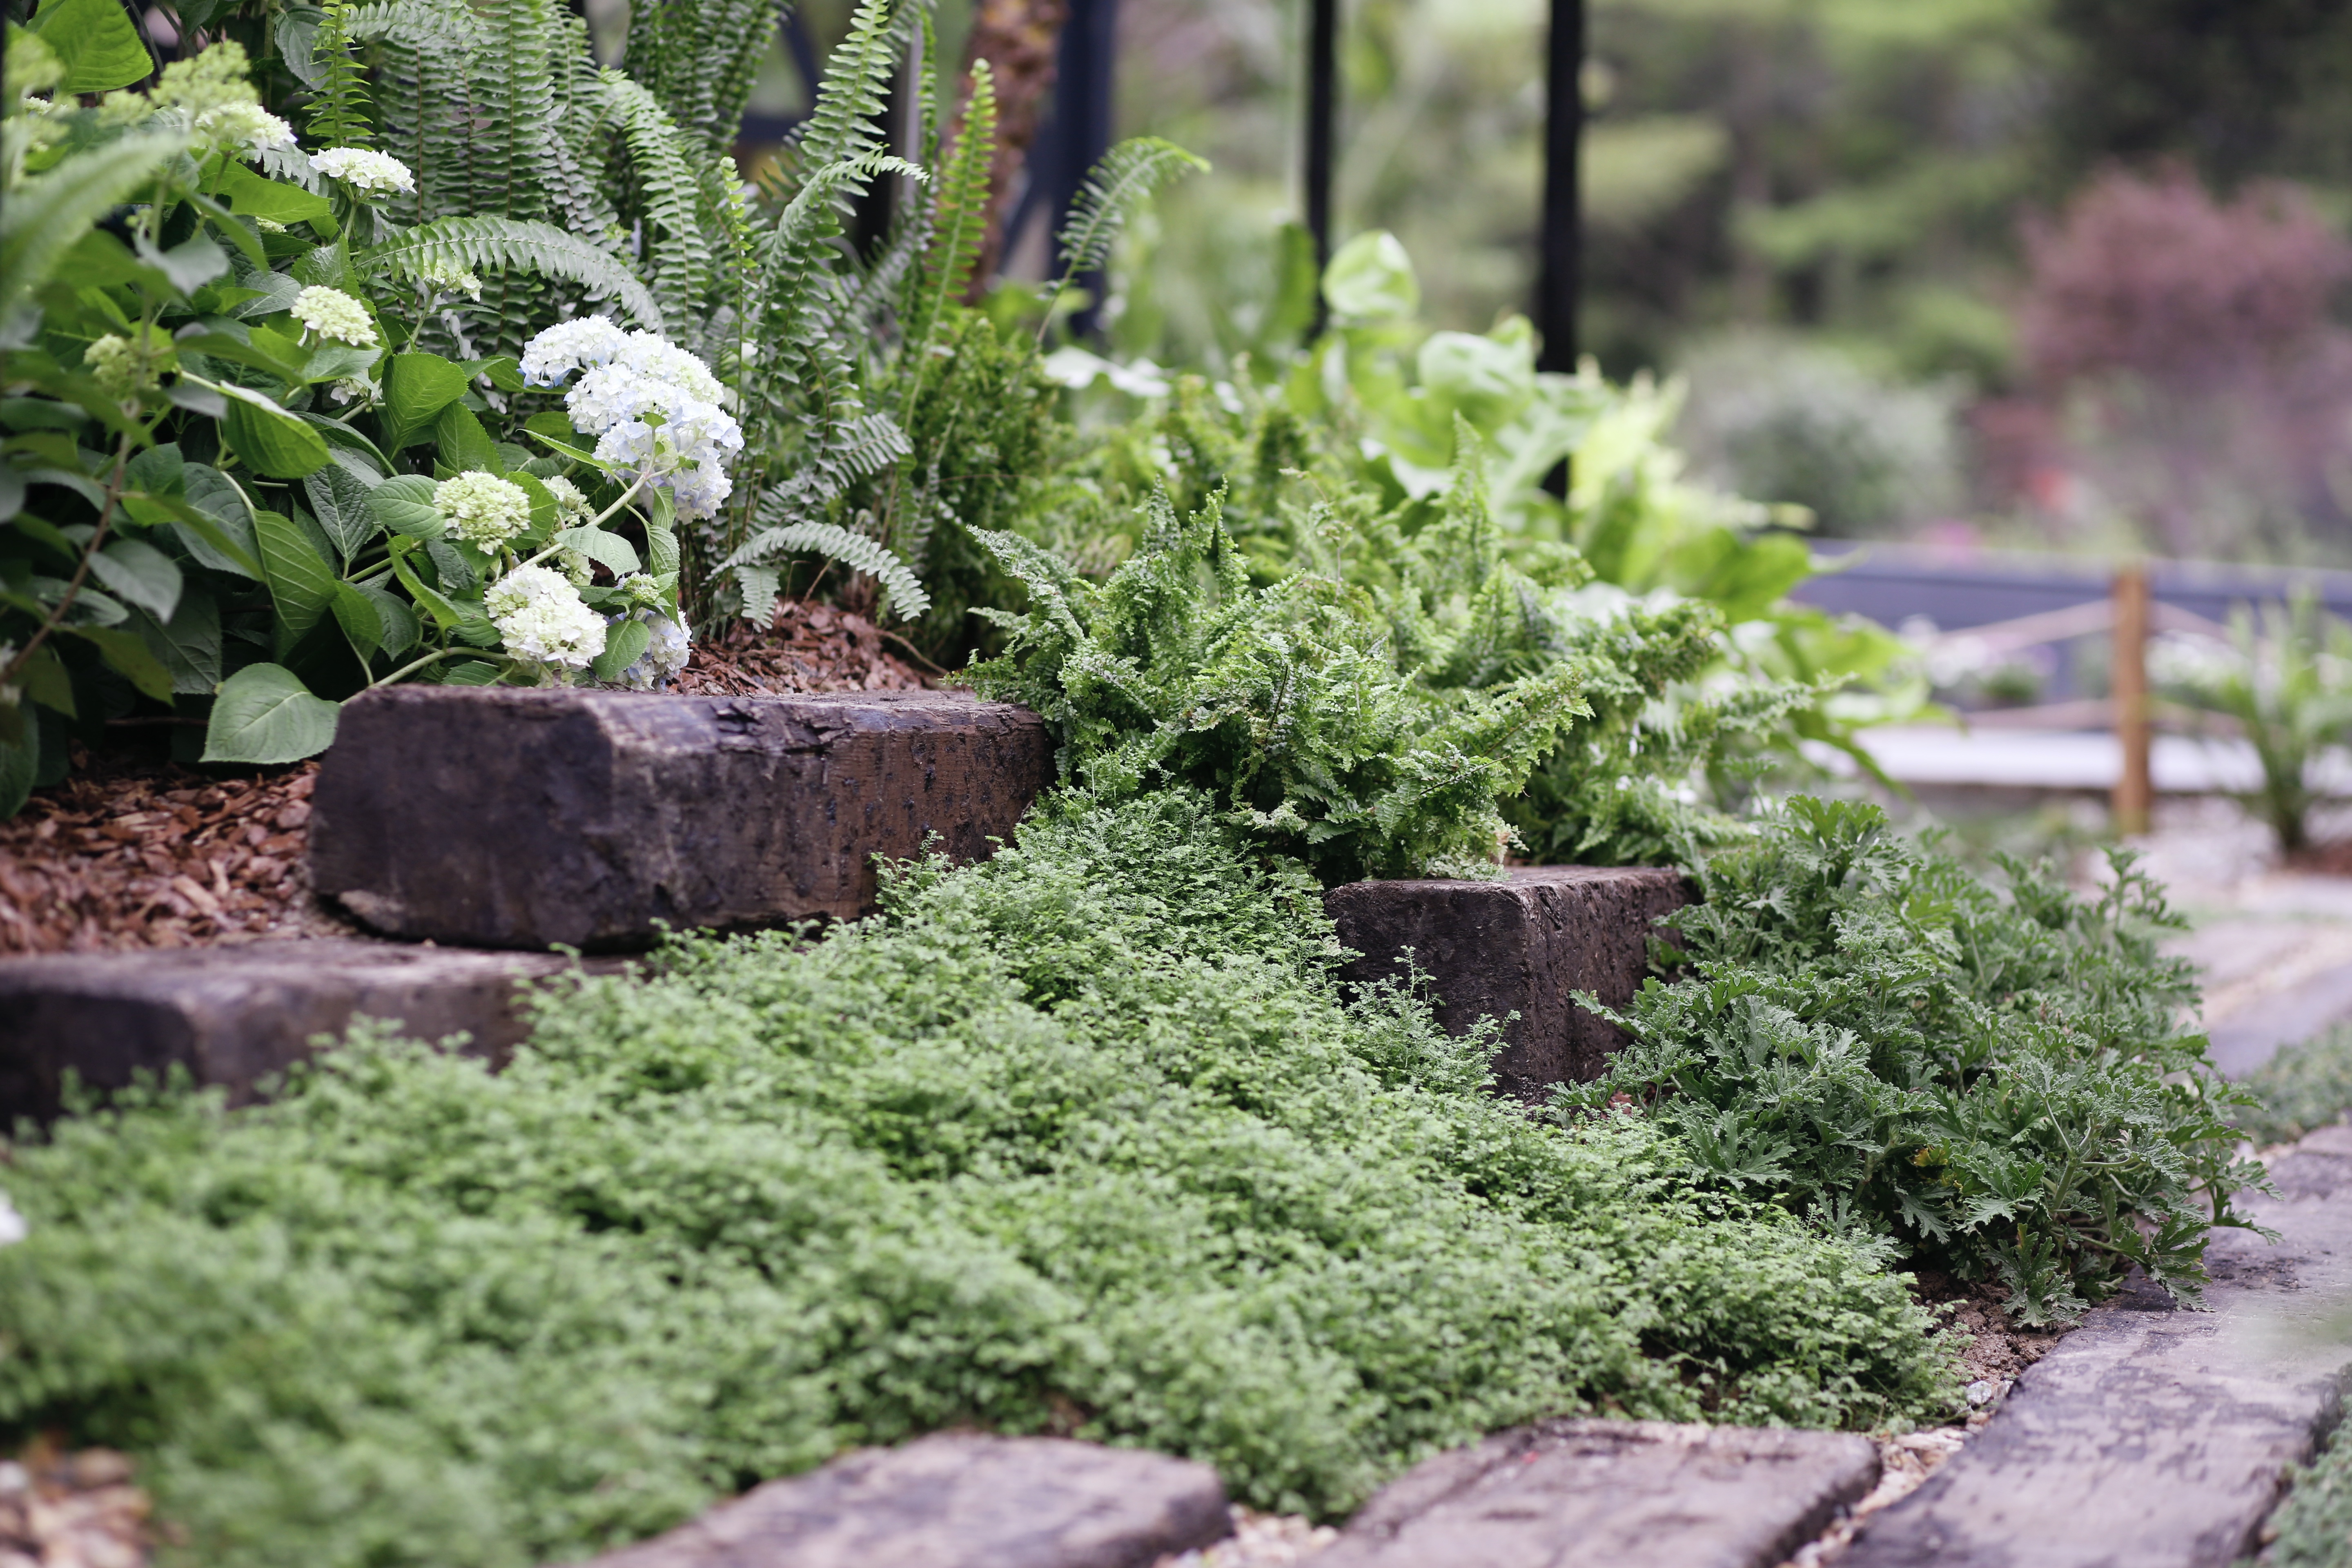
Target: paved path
x,y
2153,1437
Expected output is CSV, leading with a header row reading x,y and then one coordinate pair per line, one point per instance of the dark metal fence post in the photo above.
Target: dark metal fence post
x,y
1558,270
1322,133
1076,133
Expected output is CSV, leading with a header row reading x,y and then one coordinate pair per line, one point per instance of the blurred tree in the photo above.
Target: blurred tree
x,y
2243,88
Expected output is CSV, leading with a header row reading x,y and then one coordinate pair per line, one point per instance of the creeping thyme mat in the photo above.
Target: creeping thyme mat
x,y
1082,1139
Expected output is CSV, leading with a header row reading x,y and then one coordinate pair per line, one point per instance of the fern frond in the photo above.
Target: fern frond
x,y
698,59
676,254
340,115
482,243
1126,174
857,83
855,551
958,214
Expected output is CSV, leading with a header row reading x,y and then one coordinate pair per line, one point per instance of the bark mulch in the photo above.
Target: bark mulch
x,y
130,851
70,1511
806,647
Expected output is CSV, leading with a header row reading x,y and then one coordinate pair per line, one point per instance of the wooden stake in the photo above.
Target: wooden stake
x,y
2135,793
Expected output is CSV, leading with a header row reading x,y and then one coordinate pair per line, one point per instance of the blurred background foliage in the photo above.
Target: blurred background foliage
x,y
1861,232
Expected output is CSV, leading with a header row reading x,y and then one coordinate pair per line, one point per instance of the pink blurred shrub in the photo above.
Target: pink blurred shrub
x,y
2187,352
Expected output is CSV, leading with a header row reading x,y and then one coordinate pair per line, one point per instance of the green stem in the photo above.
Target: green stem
x,y
596,521
432,658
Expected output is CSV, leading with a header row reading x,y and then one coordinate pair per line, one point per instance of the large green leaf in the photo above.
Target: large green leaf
x,y
264,714
96,39
140,574
466,447
361,622
272,440
253,196
608,550
301,585
1371,279
404,504
127,655
342,506
189,645
416,388
49,214
229,545
624,647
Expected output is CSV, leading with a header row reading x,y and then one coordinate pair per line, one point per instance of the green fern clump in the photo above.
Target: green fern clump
x,y
1286,702
1999,1087
1082,1139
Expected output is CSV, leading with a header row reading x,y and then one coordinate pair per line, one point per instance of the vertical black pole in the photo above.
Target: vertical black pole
x,y
1085,88
1558,268
1322,131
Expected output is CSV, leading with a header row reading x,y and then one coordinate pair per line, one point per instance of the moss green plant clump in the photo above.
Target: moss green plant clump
x,y
1083,1139
2302,1087
1999,1087
2312,1526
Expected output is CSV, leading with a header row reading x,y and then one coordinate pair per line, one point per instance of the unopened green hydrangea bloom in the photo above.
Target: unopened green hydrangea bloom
x,y
122,367
483,510
332,313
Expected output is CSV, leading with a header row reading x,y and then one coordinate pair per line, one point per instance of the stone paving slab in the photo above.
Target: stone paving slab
x,y
233,1015
957,1502
1603,1494
1524,945
495,817
2154,1437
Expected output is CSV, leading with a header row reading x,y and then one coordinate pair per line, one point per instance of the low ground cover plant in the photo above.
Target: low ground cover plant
x,y
1994,1083
2302,1087
1085,1139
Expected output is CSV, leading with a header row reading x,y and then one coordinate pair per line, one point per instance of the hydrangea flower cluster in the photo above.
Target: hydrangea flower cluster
x,y
570,503
652,407
483,510
542,618
367,171
448,278
664,658
332,313
120,368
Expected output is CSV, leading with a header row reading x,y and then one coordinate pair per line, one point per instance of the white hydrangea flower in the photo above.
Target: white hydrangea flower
x,y
332,313
481,508
665,657
571,504
13,1229
569,346
449,278
246,129
352,387
652,407
542,618
367,171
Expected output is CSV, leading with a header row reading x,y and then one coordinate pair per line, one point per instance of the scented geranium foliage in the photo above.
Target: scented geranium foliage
x,y
1083,1138
1996,1084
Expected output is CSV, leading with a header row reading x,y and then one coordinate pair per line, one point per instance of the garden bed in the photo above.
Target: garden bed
x,y
134,850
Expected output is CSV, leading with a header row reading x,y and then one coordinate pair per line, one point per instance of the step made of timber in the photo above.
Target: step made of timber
x,y
1600,1494
2151,1436
233,1015
495,817
1522,945
957,1502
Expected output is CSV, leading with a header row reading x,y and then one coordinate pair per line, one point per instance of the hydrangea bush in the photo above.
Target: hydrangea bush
x,y
235,472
